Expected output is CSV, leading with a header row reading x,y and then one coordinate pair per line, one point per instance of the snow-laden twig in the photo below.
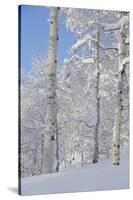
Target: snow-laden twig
x,y
87,60
81,41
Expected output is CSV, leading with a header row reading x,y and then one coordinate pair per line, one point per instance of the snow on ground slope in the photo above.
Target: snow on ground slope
x,y
101,176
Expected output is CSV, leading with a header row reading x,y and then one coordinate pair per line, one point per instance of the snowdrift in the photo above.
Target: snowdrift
x,y
100,176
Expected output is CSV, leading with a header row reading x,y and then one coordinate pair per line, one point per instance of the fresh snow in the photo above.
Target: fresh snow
x,y
87,60
124,61
83,40
101,176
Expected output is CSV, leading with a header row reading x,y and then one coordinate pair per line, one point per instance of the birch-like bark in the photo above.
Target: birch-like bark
x,y
57,145
49,134
117,120
96,148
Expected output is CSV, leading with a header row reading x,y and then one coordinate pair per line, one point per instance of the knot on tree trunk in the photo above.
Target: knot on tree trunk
x,y
52,137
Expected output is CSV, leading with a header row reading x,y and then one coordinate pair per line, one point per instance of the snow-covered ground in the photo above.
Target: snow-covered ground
x,y
101,176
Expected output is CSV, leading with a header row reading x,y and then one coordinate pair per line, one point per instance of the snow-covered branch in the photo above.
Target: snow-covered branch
x,y
87,60
87,38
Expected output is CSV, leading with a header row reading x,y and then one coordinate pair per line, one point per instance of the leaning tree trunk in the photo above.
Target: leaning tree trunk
x,y
117,121
96,148
49,135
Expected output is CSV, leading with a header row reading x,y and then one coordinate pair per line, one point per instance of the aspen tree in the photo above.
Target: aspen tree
x,y
96,149
117,120
49,134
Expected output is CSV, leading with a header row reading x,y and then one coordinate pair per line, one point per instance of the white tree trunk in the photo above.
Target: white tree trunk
x,y
57,145
116,130
117,121
96,148
49,134
72,150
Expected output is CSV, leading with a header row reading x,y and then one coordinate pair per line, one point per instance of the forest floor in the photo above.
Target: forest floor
x,y
100,176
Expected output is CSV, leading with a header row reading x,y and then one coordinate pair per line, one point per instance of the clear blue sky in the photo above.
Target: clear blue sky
x,y
35,35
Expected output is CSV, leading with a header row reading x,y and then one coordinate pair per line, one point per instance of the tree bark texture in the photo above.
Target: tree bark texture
x,y
49,134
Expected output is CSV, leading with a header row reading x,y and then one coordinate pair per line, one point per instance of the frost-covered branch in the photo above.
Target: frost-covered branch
x,y
85,39
87,60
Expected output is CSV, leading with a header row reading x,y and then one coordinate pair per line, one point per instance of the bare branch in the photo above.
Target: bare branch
x,y
109,48
112,29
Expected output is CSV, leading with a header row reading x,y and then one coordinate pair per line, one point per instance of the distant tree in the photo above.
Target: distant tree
x,y
105,52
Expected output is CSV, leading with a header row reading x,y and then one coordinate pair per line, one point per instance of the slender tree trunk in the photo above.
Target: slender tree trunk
x,y
117,120
72,150
82,158
49,135
96,148
116,130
